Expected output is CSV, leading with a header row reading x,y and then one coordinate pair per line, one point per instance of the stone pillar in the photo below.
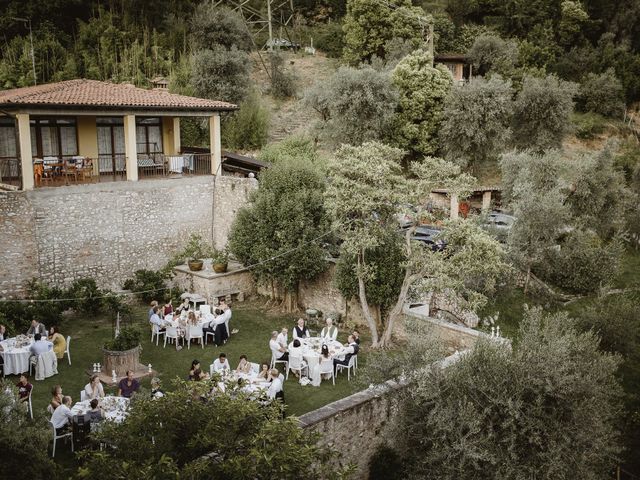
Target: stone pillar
x,y
214,142
486,201
176,135
26,160
130,149
453,213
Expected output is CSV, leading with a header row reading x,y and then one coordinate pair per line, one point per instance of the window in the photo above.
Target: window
x,y
149,135
7,137
54,137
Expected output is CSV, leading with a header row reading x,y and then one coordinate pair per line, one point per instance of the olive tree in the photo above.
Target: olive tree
x,y
220,73
548,408
602,93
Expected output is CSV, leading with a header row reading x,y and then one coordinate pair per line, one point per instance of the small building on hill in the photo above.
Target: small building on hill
x,y
458,64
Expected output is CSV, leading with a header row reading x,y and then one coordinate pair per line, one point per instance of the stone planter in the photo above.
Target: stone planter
x,y
195,265
220,267
121,361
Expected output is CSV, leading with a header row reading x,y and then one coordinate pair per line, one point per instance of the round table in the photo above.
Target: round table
x,y
311,348
16,359
114,408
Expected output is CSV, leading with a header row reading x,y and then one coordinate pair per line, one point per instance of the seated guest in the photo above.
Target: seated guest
x,y
283,337
24,388
221,363
156,321
40,345
278,351
300,330
56,397
94,388
195,365
128,385
151,307
199,375
37,327
275,389
156,391
167,309
59,342
243,366
3,333
356,336
192,319
329,332
62,416
296,349
325,357
346,352
183,307
264,371
95,414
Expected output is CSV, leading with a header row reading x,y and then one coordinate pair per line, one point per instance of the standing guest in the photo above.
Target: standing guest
x,y
167,309
195,365
278,351
95,414
152,305
244,366
3,333
37,327
128,385
62,416
220,364
345,354
56,397
24,388
330,332
156,321
156,391
59,342
283,337
275,389
94,388
356,336
301,330
40,345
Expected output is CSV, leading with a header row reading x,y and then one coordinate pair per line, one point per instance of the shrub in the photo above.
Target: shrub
x,y
386,463
221,74
248,128
602,93
148,283
589,125
87,294
291,148
128,338
330,39
283,81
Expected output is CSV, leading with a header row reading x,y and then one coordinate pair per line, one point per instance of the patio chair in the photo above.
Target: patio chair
x,y
57,437
67,351
349,367
296,364
195,331
171,333
155,331
326,368
275,361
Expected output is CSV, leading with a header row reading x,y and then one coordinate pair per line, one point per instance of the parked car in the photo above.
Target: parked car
x,y
429,236
500,221
283,43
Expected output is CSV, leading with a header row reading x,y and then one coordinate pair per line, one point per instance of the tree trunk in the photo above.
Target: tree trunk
x,y
362,295
527,279
396,312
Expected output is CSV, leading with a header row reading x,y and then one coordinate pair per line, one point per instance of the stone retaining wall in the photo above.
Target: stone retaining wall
x,y
109,230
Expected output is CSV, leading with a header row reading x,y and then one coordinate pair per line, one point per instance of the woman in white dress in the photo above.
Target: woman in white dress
x,y
94,388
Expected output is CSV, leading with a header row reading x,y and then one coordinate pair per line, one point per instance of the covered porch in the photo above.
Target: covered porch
x,y
85,131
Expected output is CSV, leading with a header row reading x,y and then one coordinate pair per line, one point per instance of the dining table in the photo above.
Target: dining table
x,y
311,349
115,409
16,353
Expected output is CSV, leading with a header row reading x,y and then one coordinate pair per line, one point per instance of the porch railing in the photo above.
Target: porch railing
x,y
10,171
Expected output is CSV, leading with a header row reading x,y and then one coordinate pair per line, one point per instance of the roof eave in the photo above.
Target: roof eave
x,y
52,108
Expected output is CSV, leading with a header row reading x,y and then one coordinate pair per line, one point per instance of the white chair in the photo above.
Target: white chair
x,y
326,368
67,351
205,310
226,325
56,437
33,363
255,368
50,409
206,336
155,331
274,361
171,333
349,367
296,364
83,395
30,405
195,331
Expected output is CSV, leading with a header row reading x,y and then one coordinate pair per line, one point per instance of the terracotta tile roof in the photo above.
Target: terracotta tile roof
x,y
83,93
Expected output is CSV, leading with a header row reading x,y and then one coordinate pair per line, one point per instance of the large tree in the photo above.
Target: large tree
x,y
423,89
280,233
366,190
549,408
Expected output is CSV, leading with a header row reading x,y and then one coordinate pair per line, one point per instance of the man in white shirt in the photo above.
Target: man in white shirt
x,y
346,352
283,337
156,320
40,346
37,327
301,330
221,363
275,389
62,415
278,351
329,332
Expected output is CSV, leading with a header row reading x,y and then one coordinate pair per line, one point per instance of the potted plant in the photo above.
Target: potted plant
x,y
220,260
123,352
194,251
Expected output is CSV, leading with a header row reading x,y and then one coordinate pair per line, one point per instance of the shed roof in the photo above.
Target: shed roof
x,y
83,94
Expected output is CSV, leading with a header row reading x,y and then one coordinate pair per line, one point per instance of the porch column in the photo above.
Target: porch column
x,y
214,142
176,135
130,149
486,201
26,161
453,213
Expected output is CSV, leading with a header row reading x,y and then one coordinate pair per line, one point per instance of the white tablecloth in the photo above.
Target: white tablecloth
x,y
114,408
16,360
311,354
176,164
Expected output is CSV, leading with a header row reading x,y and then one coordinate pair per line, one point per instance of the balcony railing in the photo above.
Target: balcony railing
x,y
10,171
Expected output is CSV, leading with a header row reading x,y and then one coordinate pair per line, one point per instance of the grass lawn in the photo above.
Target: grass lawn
x,y
254,325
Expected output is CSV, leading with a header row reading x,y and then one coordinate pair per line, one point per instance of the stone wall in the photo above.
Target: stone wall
x,y
213,285
109,230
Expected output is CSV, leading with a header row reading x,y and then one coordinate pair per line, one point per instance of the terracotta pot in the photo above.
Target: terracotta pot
x,y
220,267
195,265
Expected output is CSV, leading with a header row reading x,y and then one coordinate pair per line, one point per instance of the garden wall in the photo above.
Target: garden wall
x,y
109,230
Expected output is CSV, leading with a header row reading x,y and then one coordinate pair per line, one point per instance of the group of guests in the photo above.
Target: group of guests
x,y
281,352
44,341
